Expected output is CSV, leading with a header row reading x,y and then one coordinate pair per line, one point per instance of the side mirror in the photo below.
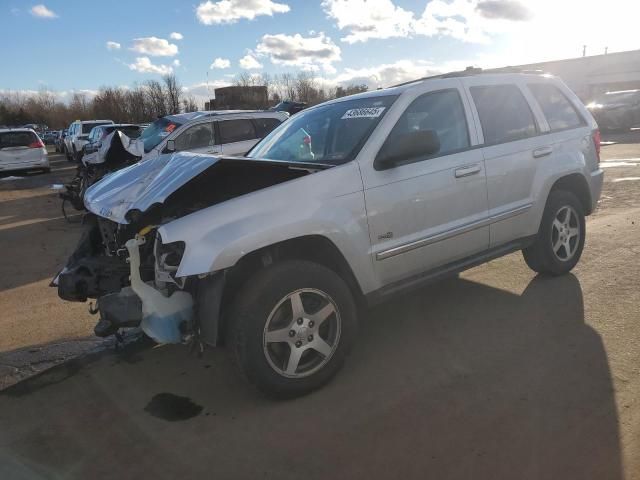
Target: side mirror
x,y
403,148
171,146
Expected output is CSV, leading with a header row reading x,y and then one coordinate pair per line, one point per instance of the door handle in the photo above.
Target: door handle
x,y
467,171
542,152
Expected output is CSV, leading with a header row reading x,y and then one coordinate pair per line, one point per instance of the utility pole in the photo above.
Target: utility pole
x,y
584,50
606,50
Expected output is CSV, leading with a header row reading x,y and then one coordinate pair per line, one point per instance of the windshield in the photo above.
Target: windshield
x,y
157,131
87,127
331,134
16,139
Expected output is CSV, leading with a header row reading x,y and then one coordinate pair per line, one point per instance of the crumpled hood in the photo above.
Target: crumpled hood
x,y
144,183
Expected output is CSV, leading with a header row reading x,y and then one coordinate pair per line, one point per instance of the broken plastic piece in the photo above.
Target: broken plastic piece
x,y
161,316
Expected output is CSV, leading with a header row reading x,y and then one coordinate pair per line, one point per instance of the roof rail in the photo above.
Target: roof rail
x,y
469,71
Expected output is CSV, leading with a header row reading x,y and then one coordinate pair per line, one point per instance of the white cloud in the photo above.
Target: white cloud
x,y
176,36
386,75
156,47
230,11
113,45
220,63
307,53
41,11
465,20
365,19
249,62
144,65
176,63
505,9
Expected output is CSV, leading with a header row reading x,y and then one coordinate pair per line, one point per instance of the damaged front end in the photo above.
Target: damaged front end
x,y
121,261
118,269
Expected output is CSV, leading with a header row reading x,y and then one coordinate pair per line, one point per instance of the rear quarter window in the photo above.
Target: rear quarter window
x,y
558,110
505,115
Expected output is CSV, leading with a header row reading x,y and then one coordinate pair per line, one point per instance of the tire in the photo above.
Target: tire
x,y
264,308
541,256
67,154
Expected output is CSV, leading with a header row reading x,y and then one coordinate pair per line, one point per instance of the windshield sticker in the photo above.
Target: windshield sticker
x,y
170,128
367,112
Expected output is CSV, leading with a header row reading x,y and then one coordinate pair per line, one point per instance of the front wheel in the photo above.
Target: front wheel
x,y
292,326
560,240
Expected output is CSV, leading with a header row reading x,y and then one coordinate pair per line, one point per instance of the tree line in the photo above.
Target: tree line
x,y
152,99
142,103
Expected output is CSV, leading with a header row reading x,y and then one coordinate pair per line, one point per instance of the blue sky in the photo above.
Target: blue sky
x,y
62,45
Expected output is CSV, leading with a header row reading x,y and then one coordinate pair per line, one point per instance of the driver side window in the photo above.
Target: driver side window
x,y
198,136
441,112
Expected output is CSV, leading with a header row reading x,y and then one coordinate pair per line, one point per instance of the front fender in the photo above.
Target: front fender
x,y
329,203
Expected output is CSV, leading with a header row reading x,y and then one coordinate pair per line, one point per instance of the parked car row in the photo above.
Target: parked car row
x,y
343,205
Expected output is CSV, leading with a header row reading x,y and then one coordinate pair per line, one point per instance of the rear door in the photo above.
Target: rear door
x,y
19,149
237,136
512,145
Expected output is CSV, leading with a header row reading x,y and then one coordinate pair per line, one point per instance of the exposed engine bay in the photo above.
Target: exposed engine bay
x,y
127,268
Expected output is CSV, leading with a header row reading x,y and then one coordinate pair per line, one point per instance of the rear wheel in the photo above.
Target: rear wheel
x,y
67,154
560,240
292,326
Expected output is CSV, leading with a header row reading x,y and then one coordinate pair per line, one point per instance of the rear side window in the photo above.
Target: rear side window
x,y
264,126
441,112
17,139
236,131
504,113
557,108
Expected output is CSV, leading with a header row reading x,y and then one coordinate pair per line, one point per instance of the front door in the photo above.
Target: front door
x,y
199,138
430,210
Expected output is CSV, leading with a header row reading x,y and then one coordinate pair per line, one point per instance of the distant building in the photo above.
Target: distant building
x,y
596,74
239,98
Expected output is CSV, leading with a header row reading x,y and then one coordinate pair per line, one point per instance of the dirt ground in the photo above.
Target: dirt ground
x,y
496,374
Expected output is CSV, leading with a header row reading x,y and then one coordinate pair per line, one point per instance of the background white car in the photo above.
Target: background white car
x,y
222,132
77,137
22,149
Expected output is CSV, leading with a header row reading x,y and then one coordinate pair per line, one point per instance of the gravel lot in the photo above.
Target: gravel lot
x,y
496,374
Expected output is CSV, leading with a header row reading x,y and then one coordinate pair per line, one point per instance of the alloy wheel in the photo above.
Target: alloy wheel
x,y
302,333
565,233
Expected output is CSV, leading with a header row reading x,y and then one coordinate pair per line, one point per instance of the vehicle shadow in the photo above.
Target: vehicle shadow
x,y
459,380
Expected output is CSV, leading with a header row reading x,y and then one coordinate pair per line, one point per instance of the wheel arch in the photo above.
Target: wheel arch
x,y
576,184
315,248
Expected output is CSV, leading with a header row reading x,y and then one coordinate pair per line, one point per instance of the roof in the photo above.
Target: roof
x,y
93,121
17,129
187,117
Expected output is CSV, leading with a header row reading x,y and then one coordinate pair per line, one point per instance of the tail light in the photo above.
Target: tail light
x,y
596,143
36,144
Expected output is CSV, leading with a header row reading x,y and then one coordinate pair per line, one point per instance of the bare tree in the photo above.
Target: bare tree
x,y
173,93
156,98
189,104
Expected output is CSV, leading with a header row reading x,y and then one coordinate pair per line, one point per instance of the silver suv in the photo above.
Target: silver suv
x,y
343,205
